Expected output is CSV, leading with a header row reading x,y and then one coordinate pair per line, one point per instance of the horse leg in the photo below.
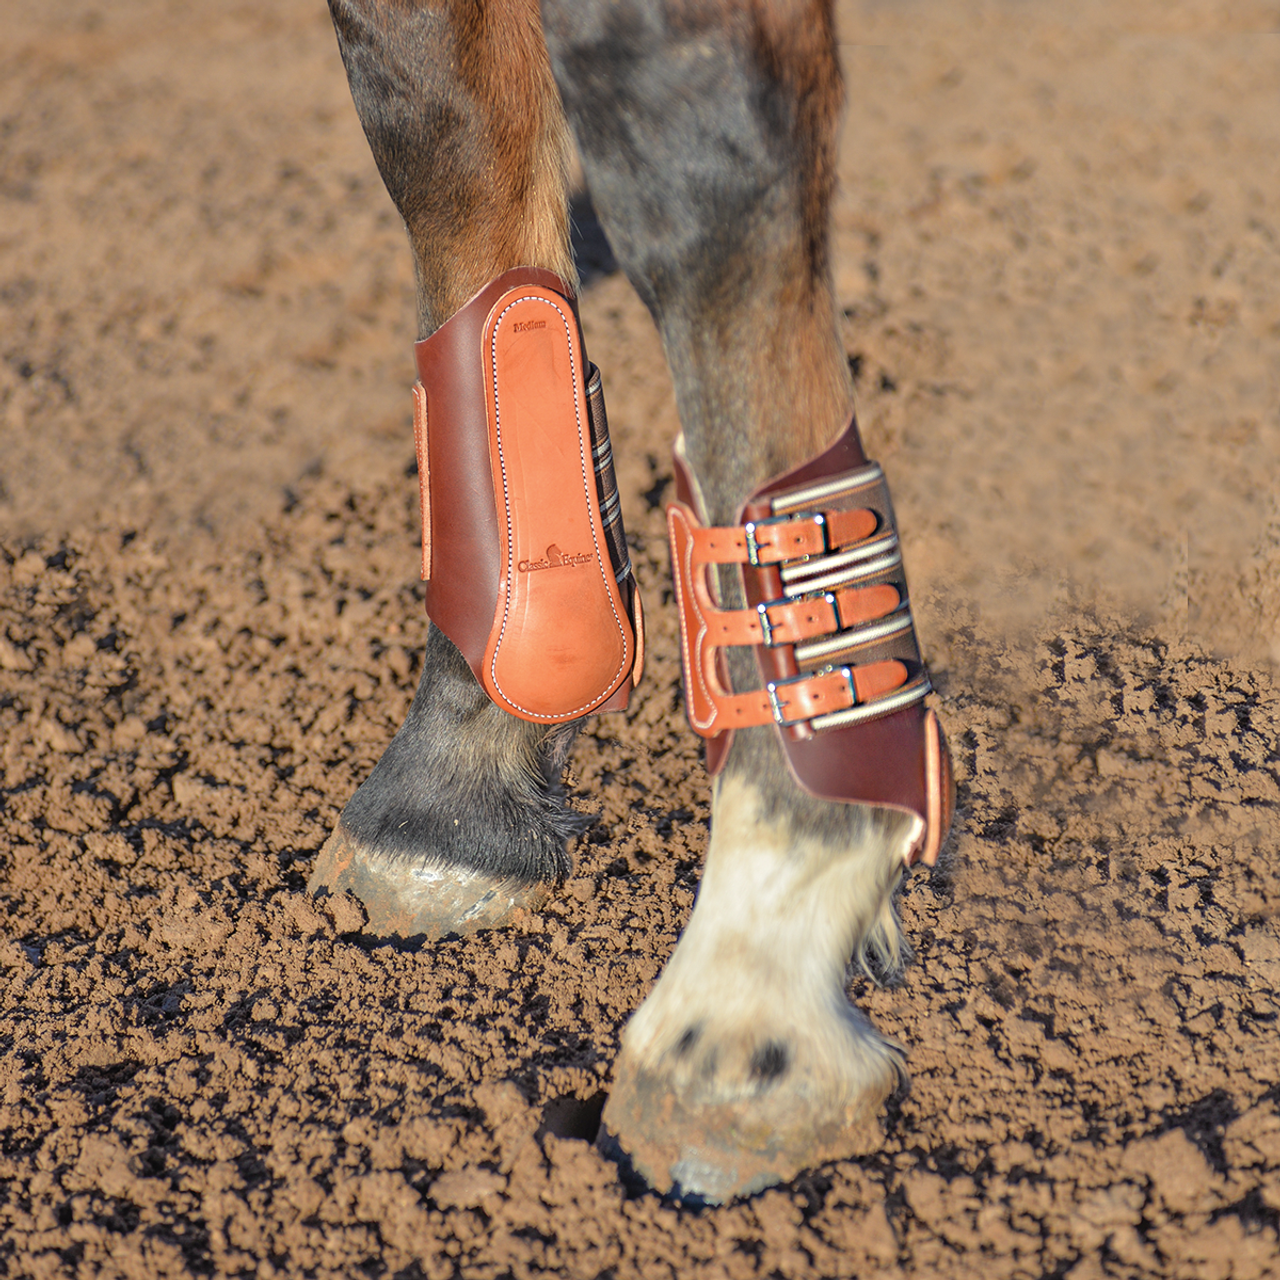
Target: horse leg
x,y
707,135
462,821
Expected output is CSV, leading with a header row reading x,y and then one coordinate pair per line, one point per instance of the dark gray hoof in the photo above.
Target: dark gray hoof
x,y
409,899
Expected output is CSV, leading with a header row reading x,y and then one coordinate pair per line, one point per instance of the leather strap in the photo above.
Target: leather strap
x,y
790,621
770,541
522,544
830,620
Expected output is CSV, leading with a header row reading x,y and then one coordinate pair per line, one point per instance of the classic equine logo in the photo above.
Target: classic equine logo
x,y
554,559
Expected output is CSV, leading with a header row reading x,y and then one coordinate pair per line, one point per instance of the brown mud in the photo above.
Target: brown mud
x,y
1059,258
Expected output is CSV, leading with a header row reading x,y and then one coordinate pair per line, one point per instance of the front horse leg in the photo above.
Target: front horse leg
x,y
707,135
462,823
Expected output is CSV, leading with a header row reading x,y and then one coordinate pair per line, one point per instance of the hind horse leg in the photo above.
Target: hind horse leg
x,y
461,824
707,135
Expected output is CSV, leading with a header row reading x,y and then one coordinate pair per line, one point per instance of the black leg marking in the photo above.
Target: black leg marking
x,y
770,1062
689,1038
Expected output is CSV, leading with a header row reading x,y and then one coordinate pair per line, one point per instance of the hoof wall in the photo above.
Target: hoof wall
x,y
408,900
710,1152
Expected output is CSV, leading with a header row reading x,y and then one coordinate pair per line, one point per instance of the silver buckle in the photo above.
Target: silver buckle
x,y
753,547
766,626
774,685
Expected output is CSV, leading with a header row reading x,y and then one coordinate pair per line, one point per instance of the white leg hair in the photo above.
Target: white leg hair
x,y
749,1028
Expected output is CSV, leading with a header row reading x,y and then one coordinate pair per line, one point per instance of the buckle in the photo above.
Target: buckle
x,y
767,625
753,546
772,687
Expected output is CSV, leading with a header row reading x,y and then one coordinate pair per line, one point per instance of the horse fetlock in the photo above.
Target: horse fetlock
x,y
747,1064
462,825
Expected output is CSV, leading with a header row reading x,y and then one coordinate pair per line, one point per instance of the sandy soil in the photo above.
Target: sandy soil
x,y
1059,248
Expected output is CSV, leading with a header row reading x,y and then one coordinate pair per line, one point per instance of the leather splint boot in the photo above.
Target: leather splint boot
x,y
528,575
830,620
523,550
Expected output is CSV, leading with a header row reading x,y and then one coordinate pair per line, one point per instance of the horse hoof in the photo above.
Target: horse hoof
x,y
708,1151
746,1064
408,899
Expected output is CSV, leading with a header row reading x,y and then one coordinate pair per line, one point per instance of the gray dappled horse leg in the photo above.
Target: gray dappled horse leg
x,y
462,821
707,134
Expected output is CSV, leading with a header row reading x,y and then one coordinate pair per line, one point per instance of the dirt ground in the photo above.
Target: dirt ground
x,y
1058,240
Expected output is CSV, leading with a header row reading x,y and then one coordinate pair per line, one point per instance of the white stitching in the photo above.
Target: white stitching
x,y
506,499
